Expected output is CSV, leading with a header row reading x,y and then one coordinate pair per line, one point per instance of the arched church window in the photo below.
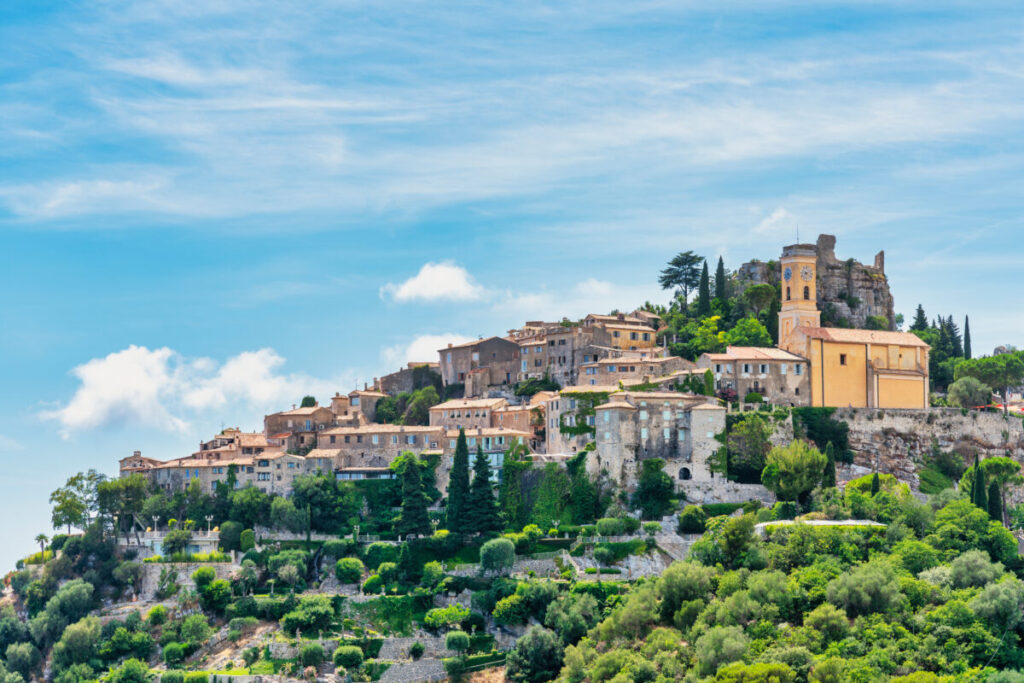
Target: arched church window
x,y
807,292
787,293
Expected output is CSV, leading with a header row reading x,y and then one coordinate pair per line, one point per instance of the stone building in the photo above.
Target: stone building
x,y
626,331
465,413
629,368
570,416
270,473
408,379
558,350
523,418
375,445
297,428
849,368
480,364
678,428
781,377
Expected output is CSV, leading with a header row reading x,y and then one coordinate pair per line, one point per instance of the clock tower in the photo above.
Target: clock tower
x,y
799,292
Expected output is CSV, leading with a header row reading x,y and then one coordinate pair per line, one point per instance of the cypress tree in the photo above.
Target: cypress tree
x,y
458,486
876,484
974,480
709,383
967,337
414,518
981,489
720,280
772,323
704,293
955,338
995,503
920,321
481,508
828,478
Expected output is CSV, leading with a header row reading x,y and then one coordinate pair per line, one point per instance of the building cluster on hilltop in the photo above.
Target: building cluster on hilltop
x,y
606,387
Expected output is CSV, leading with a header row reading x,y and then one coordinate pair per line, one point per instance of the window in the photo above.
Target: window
x,y
718,369
263,476
394,439
666,415
309,425
451,443
798,369
348,438
476,357
333,438
607,416
783,368
472,442
615,333
449,356
375,439
643,432
411,440
797,391
667,433
607,436
264,463
807,292
711,435
787,299
633,336
561,342
763,369
359,438
842,359
291,466
643,414
647,336
746,367
355,401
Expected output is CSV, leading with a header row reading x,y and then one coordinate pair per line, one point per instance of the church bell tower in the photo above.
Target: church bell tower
x,y
799,292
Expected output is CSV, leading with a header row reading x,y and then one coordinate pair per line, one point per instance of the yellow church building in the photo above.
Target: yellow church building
x,y
848,368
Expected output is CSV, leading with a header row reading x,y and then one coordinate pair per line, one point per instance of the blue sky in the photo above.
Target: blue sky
x,y
211,208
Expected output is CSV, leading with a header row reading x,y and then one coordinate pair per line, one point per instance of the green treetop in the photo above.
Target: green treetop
x,y
458,486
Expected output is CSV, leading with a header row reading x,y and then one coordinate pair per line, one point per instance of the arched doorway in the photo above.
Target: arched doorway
x,y
684,473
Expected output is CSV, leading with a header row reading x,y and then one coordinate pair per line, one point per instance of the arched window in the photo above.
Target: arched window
x,y
684,473
807,292
787,293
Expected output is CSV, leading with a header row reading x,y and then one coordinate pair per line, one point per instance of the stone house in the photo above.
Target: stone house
x,y
558,350
678,428
136,464
364,401
270,473
570,418
297,428
465,413
781,377
375,445
627,331
522,418
480,364
630,368
494,441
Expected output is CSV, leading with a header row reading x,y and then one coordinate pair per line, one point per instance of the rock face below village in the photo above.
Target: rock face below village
x,y
849,292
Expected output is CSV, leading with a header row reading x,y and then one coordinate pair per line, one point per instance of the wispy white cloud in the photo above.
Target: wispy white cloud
x,y
9,445
162,390
443,281
775,222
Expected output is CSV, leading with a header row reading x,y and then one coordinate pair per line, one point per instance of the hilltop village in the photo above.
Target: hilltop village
x,y
765,480
607,383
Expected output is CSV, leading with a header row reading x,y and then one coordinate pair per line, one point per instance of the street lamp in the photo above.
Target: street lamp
x,y
356,528
209,519
156,518
558,533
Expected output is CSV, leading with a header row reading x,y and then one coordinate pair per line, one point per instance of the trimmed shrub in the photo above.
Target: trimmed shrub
x,y
348,656
247,541
312,654
457,641
416,650
497,554
172,676
173,653
373,585
349,570
157,615
338,549
376,553
197,677
610,526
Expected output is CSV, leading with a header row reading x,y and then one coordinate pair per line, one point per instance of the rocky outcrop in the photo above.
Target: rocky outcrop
x,y
849,292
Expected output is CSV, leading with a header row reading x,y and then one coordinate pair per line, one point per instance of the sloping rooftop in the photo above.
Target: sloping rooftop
x,y
886,337
468,403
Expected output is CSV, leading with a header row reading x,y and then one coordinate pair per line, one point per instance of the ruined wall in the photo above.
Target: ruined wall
x,y
898,442
849,292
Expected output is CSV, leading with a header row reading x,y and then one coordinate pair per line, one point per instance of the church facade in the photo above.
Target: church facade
x,y
848,367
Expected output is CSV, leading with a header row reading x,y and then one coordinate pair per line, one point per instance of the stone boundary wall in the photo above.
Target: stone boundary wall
x,y
151,575
898,442
725,491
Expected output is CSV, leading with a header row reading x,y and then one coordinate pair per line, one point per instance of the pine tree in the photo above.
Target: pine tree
x,y
920,321
995,503
414,518
458,486
481,508
955,338
772,323
967,337
974,481
876,484
828,478
720,280
980,489
704,293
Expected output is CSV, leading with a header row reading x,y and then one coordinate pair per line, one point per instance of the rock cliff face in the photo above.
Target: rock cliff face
x,y
849,292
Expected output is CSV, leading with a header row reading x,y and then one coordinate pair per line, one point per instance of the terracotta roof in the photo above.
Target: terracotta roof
x,y
474,343
487,431
282,435
309,410
706,406
613,318
189,463
663,395
459,403
323,453
590,388
616,404
367,392
755,353
382,429
886,337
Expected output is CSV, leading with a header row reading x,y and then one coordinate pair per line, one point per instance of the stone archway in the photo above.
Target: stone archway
x,y
684,474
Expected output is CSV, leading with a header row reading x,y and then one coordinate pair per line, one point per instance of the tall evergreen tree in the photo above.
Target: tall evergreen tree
x,y
414,518
956,341
980,489
704,293
967,337
772,322
720,280
876,484
481,507
458,486
828,478
920,320
995,503
974,481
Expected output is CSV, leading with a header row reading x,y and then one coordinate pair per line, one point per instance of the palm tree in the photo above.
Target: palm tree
x,y
41,539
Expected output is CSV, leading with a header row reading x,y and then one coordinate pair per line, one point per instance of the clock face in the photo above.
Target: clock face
x,y
806,273
788,274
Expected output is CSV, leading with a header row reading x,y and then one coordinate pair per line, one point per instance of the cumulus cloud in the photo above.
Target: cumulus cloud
x,y
422,348
443,281
161,389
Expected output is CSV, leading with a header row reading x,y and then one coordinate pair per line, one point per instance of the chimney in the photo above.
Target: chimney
x,y
449,345
137,454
